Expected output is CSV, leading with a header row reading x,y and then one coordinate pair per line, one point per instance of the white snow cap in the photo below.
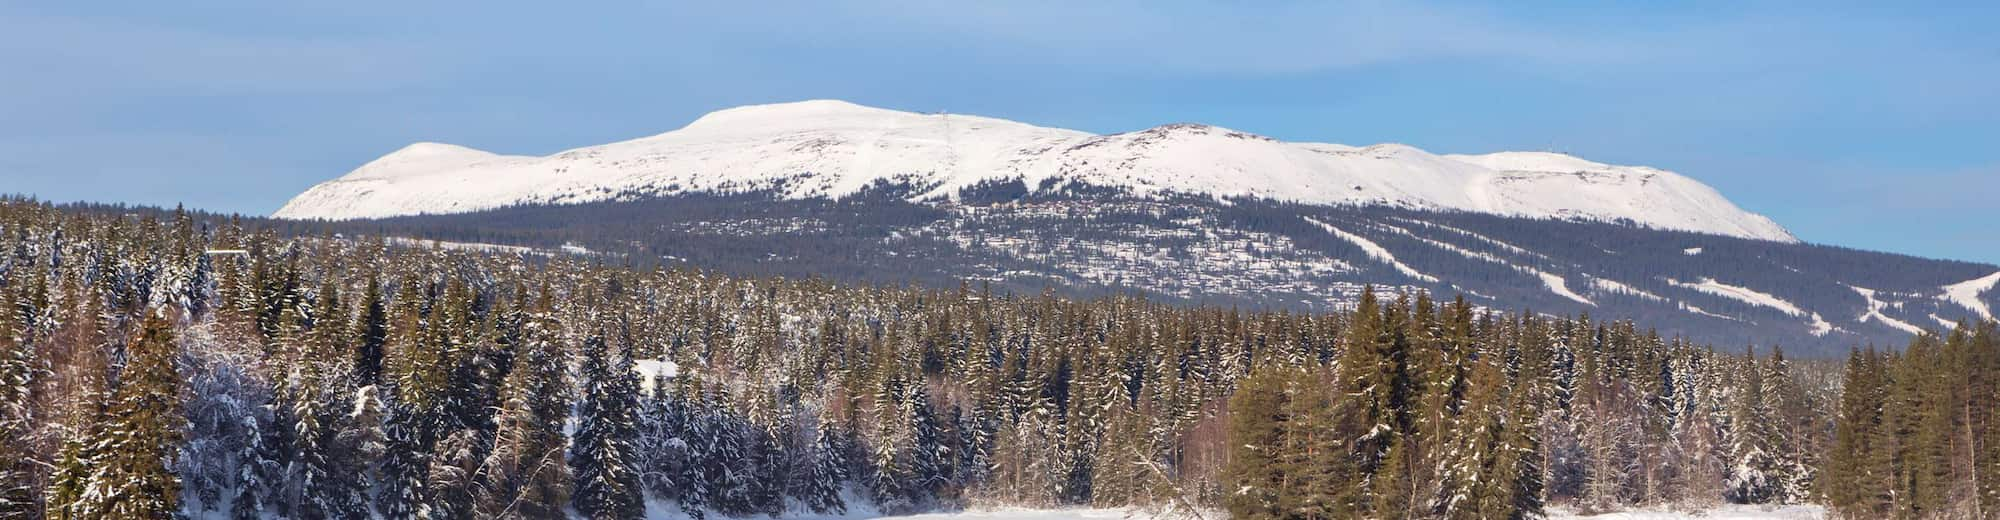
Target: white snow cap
x,y
828,148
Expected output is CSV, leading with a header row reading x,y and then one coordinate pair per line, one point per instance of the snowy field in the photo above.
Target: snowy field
x,y
1729,512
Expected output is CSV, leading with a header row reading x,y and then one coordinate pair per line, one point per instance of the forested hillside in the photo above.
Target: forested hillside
x,y
154,366
1090,242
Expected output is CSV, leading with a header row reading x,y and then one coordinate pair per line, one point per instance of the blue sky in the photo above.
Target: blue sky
x,y
1863,125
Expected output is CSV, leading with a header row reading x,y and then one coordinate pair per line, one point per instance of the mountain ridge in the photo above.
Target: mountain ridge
x,y
831,149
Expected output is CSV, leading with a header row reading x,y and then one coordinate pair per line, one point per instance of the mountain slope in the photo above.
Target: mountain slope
x,y
834,149
1813,299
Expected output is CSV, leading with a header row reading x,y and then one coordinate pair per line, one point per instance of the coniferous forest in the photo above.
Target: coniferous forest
x,y
190,366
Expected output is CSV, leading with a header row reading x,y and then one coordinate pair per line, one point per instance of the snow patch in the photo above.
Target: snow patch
x,y
1819,326
1703,312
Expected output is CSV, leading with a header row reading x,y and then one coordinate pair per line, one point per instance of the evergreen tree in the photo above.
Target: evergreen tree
x,y
525,475
604,457
17,367
141,434
820,489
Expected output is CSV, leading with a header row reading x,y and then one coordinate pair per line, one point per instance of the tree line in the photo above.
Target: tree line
x,y
153,367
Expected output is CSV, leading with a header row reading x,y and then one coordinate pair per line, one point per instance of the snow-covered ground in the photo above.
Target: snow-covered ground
x,y
1966,294
1727,512
1034,514
828,148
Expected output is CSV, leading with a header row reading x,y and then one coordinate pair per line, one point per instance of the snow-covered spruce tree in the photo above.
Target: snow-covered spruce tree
x,y
371,335
1794,450
320,404
604,456
525,475
223,410
1369,415
453,478
821,488
415,373
17,368
259,476
726,458
664,455
929,457
141,434
1750,479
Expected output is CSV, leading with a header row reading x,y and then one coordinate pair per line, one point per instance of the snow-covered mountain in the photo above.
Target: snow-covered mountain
x,y
831,149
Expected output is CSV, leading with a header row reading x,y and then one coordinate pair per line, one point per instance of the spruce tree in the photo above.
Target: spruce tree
x,y
17,368
141,433
525,475
604,456
820,489
1257,478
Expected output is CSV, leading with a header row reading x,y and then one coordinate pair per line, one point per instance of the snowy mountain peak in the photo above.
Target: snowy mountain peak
x,y
793,115
830,148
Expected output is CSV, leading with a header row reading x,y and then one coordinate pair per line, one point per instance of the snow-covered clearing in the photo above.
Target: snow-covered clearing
x,y
1875,307
1035,514
1742,294
1558,286
1374,250
1966,293
1727,512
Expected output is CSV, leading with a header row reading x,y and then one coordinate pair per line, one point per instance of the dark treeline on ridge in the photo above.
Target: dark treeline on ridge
x,y
154,366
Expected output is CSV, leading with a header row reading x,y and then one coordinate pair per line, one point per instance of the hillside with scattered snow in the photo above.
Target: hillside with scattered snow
x,y
830,149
